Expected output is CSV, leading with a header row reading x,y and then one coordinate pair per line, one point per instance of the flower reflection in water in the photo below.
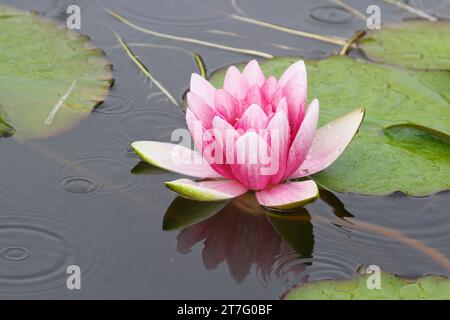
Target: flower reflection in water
x,y
242,234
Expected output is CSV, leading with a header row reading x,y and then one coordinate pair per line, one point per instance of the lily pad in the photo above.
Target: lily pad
x,y
391,287
50,78
411,44
403,142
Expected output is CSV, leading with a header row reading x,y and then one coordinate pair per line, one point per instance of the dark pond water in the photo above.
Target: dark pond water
x,y
72,199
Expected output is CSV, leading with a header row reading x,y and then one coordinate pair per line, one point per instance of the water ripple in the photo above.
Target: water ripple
x,y
101,174
331,14
173,12
150,124
116,103
37,252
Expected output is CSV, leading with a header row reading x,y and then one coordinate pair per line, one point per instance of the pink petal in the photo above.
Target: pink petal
x,y
251,160
202,88
253,74
195,128
277,96
254,96
213,190
253,118
282,106
175,158
225,137
201,109
278,132
288,195
329,143
295,92
235,83
298,67
303,140
226,105
269,88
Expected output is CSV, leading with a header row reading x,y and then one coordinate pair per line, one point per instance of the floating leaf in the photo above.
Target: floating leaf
x,y
391,288
381,159
411,44
50,78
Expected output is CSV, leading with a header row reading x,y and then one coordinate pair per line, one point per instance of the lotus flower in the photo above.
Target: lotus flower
x,y
253,134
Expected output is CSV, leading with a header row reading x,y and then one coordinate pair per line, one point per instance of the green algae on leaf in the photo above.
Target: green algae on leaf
x,y
50,78
381,159
392,287
411,44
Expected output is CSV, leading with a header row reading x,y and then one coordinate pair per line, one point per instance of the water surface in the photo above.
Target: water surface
x,y
76,199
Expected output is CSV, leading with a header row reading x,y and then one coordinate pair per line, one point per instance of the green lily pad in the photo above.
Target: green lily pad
x,y
411,44
40,63
391,287
403,142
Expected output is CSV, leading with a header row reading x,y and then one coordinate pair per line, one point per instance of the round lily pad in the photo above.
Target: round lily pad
x,y
50,78
403,143
391,287
413,44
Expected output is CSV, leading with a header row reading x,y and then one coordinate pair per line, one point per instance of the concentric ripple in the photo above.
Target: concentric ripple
x,y
15,253
403,235
103,174
331,14
116,103
154,123
78,185
35,253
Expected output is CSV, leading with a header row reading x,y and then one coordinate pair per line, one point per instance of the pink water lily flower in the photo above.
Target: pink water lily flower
x,y
253,134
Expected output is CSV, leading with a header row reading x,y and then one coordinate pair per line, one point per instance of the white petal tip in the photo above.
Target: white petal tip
x,y
218,190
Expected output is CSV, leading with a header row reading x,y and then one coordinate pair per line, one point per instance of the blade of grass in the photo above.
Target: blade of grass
x,y
189,40
309,35
415,11
201,65
144,69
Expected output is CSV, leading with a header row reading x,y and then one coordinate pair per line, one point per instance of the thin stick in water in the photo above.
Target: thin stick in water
x,y
350,9
189,40
144,69
201,65
415,11
309,35
358,35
